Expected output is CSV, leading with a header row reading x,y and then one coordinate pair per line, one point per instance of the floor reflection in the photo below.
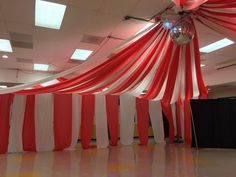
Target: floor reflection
x,y
123,161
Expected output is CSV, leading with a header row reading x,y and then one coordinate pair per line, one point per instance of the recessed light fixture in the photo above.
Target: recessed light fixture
x,y
81,54
203,65
41,67
216,45
4,56
5,45
3,86
49,14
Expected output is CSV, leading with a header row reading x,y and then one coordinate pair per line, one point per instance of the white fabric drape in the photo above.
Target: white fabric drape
x,y
101,122
16,124
76,118
44,122
127,112
155,112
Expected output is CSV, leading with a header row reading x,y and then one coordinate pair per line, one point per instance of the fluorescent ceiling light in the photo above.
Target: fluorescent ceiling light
x,y
49,14
5,56
80,54
216,45
5,45
41,67
202,65
3,86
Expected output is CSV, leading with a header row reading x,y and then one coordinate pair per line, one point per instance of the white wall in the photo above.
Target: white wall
x,y
220,76
17,76
223,92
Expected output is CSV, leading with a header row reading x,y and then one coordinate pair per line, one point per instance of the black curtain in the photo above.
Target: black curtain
x,y
215,123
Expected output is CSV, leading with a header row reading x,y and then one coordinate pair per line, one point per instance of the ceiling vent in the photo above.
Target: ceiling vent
x,y
225,65
90,39
21,40
24,60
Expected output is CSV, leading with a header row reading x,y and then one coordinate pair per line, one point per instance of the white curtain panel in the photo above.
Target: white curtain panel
x,y
127,112
76,118
155,113
101,121
16,124
44,122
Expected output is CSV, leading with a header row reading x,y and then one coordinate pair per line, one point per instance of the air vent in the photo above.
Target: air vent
x,y
96,40
21,40
24,60
225,65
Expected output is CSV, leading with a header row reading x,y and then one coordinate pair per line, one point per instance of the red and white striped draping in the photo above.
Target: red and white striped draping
x,y
149,63
49,121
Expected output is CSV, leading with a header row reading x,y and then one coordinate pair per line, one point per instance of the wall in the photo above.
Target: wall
x,y
17,76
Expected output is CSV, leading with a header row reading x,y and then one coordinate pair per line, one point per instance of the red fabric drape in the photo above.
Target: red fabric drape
x,y
187,122
100,72
28,131
178,118
62,121
112,109
142,108
5,105
87,117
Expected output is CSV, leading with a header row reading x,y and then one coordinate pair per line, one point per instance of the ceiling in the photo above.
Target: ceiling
x,y
100,18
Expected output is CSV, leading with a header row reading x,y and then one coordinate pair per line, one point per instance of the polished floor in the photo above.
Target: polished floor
x,y
123,161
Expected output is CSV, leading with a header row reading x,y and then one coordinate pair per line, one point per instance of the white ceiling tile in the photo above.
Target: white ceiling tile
x,y
22,12
3,31
148,8
85,4
103,24
121,7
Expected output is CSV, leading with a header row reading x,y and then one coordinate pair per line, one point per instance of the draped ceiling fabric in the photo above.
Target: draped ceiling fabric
x,y
148,66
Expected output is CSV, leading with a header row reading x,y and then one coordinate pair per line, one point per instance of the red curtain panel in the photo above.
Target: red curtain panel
x,y
87,118
142,108
62,121
5,105
112,109
28,131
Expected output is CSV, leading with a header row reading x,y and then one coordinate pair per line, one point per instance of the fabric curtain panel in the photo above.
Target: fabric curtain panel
x,y
142,107
16,124
76,118
28,132
101,121
62,121
87,119
127,112
156,118
112,109
44,121
5,105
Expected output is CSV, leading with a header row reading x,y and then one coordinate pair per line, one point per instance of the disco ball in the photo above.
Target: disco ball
x,y
182,32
